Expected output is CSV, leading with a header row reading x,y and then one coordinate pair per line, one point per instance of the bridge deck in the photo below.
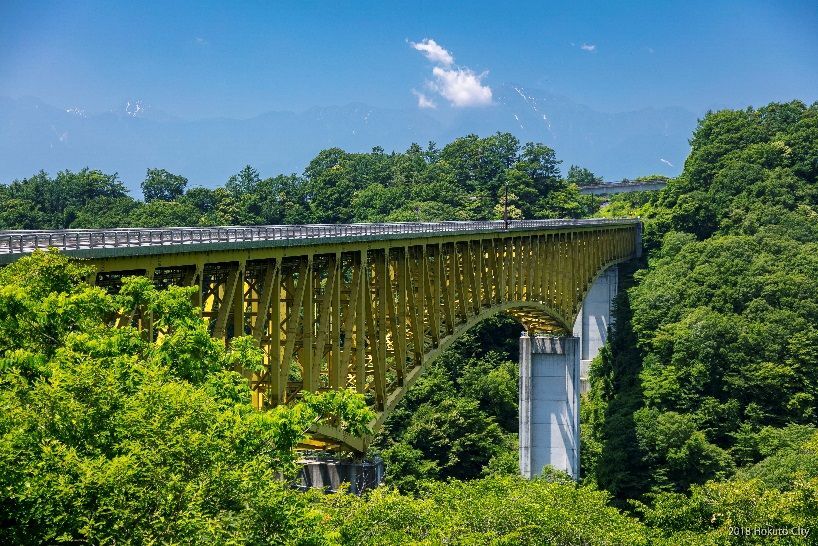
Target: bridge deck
x,y
94,243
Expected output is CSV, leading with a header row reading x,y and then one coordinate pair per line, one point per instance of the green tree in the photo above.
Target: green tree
x,y
502,510
582,176
456,435
202,199
161,213
160,185
109,437
329,187
20,214
105,212
243,182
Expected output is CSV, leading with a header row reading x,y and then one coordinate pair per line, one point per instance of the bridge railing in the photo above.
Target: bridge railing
x,y
23,241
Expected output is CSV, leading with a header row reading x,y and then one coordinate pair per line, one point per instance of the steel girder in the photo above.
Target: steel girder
x,y
369,315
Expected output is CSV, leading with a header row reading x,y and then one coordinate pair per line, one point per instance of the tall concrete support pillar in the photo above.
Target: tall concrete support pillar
x,y
594,319
549,404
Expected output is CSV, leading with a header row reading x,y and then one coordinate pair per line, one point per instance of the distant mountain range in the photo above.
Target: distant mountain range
x,y
134,137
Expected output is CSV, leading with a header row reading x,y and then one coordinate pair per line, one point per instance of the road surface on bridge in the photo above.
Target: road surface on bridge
x,y
94,242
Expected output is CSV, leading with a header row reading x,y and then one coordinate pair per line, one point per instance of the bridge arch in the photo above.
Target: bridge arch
x,y
357,306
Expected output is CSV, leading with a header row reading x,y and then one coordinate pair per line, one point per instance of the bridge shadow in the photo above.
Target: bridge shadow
x,y
616,394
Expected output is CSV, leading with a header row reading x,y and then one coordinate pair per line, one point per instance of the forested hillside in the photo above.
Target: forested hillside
x,y
712,372
701,417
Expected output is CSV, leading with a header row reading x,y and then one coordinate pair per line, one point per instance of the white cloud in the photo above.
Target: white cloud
x,y
434,52
423,100
588,47
201,41
666,162
461,86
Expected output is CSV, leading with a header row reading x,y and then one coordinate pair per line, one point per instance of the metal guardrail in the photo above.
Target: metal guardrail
x,y
24,241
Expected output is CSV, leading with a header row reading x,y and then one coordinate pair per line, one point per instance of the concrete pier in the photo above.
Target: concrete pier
x,y
594,319
549,404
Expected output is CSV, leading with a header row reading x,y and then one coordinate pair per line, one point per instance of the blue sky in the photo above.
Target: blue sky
x,y
239,59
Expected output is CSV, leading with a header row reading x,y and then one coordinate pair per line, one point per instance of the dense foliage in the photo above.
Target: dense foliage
x,y
460,419
582,176
712,372
470,178
108,437
503,511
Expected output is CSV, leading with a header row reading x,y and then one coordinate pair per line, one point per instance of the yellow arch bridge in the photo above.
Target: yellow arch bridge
x,y
361,306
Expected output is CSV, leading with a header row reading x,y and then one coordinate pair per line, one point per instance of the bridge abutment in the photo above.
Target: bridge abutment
x,y
332,474
549,404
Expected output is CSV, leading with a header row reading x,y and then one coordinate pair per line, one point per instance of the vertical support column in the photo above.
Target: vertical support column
x,y
445,283
483,293
361,261
308,375
517,267
548,271
233,284
525,405
417,305
594,319
278,369
537,266
375,328
431,289
198,282
336,364
495,274
402,277
549,404
239,305
325,324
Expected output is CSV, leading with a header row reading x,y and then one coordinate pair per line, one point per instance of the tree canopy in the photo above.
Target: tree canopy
x,y
109,437
465,180
715,352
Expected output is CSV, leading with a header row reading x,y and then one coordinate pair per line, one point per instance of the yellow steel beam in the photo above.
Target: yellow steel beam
x,y
374,330
360,321
265,299
294,316
337,370
225,305
417,298
401,305
277,368
350,313
323,330
308,374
